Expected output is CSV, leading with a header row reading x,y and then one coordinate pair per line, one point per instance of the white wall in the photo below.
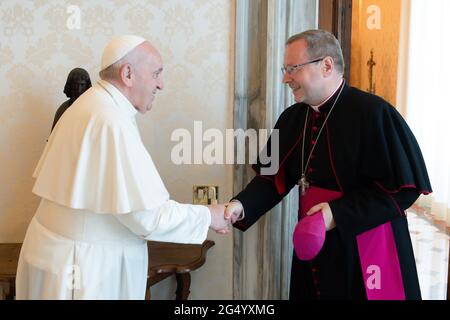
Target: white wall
x,y
37,51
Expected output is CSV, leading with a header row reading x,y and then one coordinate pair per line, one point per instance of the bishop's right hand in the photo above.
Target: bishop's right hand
x,y
234,211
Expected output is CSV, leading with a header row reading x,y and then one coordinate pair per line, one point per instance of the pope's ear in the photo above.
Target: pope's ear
x,y
126,74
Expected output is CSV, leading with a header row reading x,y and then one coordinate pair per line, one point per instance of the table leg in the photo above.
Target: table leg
x,y
11,290
148,294
183,284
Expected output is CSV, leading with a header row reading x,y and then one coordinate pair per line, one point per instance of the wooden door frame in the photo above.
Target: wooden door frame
x,y
336,16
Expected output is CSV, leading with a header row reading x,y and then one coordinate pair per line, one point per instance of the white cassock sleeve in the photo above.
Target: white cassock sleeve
x,y
170,222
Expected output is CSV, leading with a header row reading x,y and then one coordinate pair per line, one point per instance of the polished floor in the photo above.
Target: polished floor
x,y
431,249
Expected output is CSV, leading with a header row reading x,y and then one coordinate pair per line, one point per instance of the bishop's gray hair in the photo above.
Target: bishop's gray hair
x,y
321,43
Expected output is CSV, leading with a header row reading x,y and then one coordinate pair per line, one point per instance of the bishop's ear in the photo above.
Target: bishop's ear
x,y
327,66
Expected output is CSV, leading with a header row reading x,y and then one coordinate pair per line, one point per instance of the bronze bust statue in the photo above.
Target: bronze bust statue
x,y
78,81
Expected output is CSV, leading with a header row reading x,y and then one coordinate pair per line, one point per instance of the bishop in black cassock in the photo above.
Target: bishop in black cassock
x,y
361,148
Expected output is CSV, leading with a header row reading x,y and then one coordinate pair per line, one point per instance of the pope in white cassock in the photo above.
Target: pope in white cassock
x,y
101,195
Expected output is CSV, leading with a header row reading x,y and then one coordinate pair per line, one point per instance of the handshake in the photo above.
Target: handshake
x,y
224,215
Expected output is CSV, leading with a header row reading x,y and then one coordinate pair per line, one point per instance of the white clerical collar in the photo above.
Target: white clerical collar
x,y
316,108
122,102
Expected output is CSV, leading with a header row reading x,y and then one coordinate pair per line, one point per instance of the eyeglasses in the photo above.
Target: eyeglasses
x,y
291,69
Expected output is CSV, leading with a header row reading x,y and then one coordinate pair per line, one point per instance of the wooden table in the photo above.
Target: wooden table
x,y
9,256
165,259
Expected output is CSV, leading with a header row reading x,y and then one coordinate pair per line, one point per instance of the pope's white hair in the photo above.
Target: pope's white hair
x,y
113,71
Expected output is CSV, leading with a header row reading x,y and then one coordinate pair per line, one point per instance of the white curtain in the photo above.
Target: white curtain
x,y
427,95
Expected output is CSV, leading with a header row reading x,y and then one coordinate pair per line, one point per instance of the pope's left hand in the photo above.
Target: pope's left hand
x,y
326,212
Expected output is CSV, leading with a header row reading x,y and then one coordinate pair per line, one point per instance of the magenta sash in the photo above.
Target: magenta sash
x,y
377,251
380,265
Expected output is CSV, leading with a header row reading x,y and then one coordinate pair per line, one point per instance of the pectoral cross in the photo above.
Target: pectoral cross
x,y
303,185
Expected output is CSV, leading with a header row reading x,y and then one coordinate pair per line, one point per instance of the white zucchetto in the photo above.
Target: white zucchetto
x,y
118,48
